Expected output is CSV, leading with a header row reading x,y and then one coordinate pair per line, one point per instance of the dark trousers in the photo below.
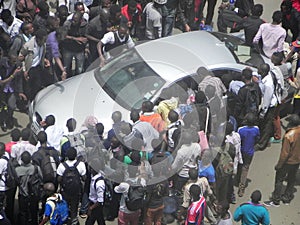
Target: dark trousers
x,y
28,210
180,182
10,204
267,128
290,172
96,215
73,202
210,10
242,171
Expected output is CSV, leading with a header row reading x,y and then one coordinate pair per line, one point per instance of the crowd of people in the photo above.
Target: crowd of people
x,y
178,158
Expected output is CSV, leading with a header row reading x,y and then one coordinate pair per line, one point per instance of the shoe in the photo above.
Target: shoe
x,y
271,203
241,190
285,200
273,140
233,199
4,127
258,147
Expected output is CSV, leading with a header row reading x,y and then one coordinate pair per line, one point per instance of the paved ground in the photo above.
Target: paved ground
x,y
261,172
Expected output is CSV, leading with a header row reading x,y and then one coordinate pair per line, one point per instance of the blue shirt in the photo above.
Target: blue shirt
x,y
249,136
208,172
252,214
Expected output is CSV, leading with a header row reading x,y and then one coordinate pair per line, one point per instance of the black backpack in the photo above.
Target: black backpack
x,y
48,166
71,179
252,100
31,185
11,178
136,198
108,192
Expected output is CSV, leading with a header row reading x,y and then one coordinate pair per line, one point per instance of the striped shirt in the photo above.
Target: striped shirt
x,y
196,212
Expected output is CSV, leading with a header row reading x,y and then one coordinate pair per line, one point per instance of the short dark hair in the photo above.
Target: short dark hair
x,y
78,4
277,58
247,73
257,10
99,128
173,116
42,137
116,116
25,134
50,120
195,192
134,115
256,196
193,174
132,3
114,9
15,134
26,157
71,124
277,17
250,119
41,33
5,14
71,153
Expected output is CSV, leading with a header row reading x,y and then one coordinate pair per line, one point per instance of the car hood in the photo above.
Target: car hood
x,y
77,103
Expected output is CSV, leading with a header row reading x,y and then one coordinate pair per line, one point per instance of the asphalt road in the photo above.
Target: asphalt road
x,y
261,172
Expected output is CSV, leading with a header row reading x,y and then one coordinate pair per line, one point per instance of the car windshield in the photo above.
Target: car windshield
x,y
129,80
241,52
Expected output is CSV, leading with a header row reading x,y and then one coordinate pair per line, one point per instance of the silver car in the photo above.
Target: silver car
x,y
140,74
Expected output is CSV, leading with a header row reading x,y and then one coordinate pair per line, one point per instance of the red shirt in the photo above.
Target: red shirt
x,y
196,212
296,5
9,145
125,12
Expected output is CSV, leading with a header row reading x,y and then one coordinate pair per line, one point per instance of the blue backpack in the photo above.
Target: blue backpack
x,y
60,214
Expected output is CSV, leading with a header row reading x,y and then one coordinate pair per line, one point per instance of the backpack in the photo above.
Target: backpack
x,y
35,183
252,100
225,163
108,192
71,179
136,198
77,141
11,177
48,166
60,213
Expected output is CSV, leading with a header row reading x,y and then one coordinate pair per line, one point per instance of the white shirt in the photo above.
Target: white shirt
x,y
3,168
97,195
80,167
19,148
54,134
37,54
13,29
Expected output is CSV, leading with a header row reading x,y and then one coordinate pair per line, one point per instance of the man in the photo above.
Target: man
x,y
252,212
272,36
79,7
252,23
22,146
9,23
154,12
197,207
75,44
33,54
145,128
133,13
268,107
71,188
112,43
288,163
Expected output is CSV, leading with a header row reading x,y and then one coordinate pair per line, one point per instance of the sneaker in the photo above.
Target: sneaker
x,y
271,203
273,140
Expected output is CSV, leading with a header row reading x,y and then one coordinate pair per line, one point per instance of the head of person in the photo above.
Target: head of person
x,y
263,69
132,6
293,121
100,129
159,3
195,192
115,142
15,135
250,119
193,174
147,106
115,13
61,34
50,120
71,153
26,158
229,128
156,145
44,8
76,19
71,124
12,59
25,134
256,196
90,122
125,128
41,37
27,28
134,115
222,208
62,13
257,10
247,75
202,72
122,30
277,17
106,4
79,7
7,17
49,189
173,116
52,23
116,116
2,149
277,58
42,137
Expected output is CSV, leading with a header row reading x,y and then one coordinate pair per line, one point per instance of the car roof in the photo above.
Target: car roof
x,y
182,54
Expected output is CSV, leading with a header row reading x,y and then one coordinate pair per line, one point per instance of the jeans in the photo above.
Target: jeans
x,y
290,172
154,216
96,215
84,203
169,24
129,219
79,61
